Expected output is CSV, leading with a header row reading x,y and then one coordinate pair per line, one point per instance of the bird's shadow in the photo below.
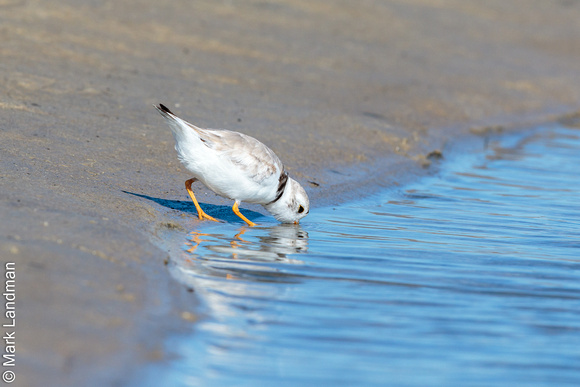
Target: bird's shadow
x,y
217,211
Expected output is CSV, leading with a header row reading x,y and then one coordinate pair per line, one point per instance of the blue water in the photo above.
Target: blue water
x,y
470,277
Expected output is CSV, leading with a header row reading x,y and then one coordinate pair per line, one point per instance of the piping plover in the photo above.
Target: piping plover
x,y
238,167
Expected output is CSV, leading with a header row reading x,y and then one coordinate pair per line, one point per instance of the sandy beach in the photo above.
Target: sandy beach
x,y
352,96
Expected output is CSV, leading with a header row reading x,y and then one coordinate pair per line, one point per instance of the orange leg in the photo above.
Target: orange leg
x,y
202,215
238,213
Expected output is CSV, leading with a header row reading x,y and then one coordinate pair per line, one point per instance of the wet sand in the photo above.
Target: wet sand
x,y
351,96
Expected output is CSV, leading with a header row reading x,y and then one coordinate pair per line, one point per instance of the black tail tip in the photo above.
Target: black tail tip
x,y
162,108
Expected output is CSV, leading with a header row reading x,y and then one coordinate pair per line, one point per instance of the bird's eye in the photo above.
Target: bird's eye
x,y
300,209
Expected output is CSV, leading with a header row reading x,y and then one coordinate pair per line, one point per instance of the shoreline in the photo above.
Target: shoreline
x,y
173,238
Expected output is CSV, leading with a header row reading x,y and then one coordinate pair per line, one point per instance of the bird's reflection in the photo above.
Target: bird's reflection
x,y
252,253
272,244
255,263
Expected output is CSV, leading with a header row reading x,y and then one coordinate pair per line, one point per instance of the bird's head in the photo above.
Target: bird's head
x,y
292,206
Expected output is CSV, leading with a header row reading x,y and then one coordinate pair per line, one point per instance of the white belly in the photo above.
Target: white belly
x,y
228,179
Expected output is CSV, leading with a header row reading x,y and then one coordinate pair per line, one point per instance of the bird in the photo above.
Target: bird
x,y
238,167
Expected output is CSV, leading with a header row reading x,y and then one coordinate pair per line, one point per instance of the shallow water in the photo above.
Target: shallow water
x,y
470,277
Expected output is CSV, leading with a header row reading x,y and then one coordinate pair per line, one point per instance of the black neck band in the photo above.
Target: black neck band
x,y
281,186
